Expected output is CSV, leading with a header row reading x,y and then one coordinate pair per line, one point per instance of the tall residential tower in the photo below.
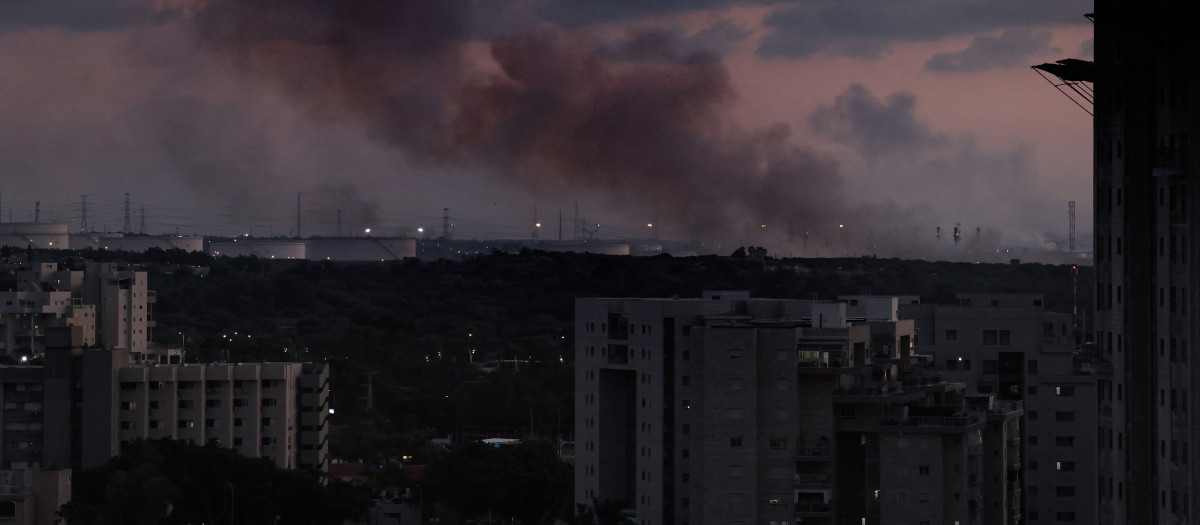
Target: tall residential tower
x,y
1144,80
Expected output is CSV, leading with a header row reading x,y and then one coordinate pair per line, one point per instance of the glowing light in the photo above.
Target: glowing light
x,y
368,230
841,226
419,230
537,225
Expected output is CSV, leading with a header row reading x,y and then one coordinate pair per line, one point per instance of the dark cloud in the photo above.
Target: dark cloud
x,y
671,44
16,15
585,12
829,26
1012,48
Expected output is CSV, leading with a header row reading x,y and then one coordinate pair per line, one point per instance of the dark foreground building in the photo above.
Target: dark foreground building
x,y
1145,80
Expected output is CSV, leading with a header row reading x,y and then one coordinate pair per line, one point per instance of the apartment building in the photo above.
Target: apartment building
x,y
1147,283
112,305
1010,346
270,410
83,405
727,409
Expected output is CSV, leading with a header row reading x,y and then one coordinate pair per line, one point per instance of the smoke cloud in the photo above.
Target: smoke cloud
x,y
647,125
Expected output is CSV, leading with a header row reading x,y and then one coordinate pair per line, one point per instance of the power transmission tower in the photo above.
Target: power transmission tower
x,y
83,212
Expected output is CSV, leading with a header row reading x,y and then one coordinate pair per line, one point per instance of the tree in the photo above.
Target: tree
x,y
172,482
528,482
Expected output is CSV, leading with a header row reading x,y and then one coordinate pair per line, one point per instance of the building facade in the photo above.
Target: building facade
x,y
1010,346
1146,253
728,409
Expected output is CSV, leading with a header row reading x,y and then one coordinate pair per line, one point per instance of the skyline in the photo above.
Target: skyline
x,y
709,118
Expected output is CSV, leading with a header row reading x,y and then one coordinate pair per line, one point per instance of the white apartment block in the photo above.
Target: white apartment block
x,y
113,307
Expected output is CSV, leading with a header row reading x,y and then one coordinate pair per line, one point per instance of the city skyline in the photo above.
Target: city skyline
x,y
711,119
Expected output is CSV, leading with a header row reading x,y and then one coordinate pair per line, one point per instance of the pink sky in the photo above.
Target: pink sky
x,y
789,113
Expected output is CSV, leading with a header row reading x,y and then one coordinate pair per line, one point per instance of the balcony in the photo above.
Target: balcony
x,y
812,508
618,354
820,480
814,453
932,422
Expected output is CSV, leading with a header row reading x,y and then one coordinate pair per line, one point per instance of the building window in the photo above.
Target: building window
x,y
1065,391
989,337
951,335
735,442
1064,441
1064,415
779,443
1066,491
1065,466
923,470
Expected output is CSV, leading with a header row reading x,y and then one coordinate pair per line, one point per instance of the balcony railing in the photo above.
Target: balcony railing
x,y
964,420
812,507
814,452
812,479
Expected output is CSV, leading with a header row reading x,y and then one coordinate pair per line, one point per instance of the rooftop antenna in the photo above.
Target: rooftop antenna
x,y
957,233
1071,236
37,211
142,230
127,228
446,224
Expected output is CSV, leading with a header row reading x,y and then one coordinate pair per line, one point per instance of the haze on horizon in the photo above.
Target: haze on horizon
x,y
866,124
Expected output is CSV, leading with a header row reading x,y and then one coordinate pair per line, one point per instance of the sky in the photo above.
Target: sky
x,y
844,126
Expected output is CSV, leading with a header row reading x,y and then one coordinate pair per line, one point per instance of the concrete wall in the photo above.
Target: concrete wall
x,y
110,241
361,248
51,235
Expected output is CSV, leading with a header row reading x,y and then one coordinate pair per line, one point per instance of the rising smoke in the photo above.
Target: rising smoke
x,y
645,122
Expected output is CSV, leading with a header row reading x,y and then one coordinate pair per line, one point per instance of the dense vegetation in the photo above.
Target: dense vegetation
x,y
167,482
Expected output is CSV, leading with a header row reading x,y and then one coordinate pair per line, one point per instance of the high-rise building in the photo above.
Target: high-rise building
x,y
727,409
1146,261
